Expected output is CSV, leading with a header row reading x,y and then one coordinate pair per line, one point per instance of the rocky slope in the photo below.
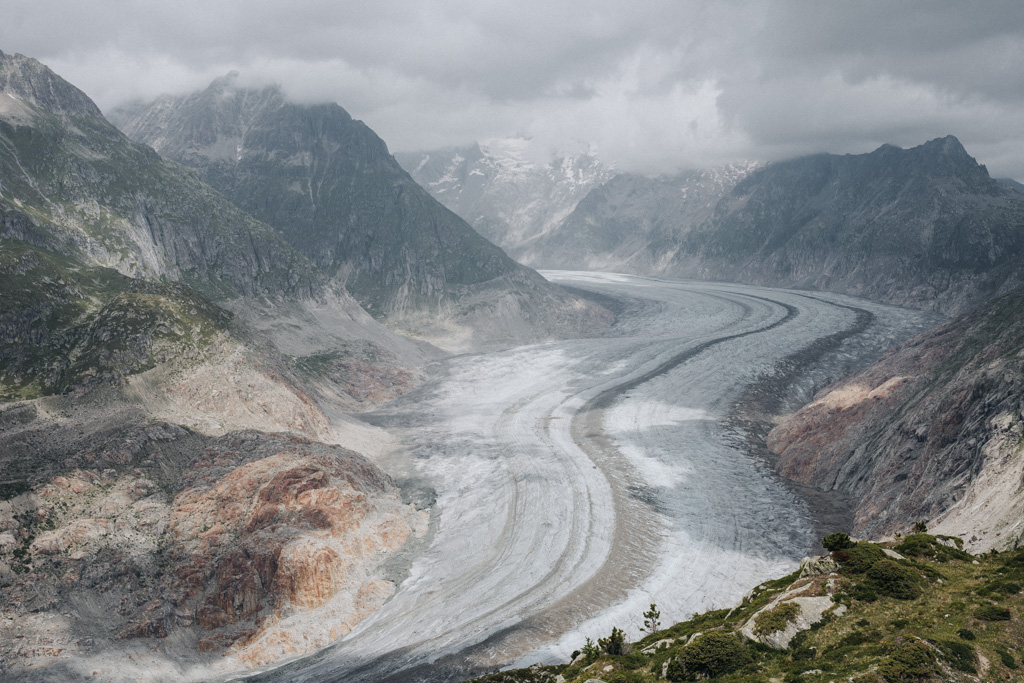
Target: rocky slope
x,y
75,186
931,432
329,186
505,195
71,329
137,312
156,549
73,183
924,227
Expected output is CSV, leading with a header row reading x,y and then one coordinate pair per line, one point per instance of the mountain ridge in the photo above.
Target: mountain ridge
x,y
330,187
924,227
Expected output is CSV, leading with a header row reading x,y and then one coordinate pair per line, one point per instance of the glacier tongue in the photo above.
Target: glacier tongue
x,y
579,481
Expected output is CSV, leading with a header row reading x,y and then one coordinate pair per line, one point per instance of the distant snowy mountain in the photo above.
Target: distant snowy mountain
x,y
633,223
502,190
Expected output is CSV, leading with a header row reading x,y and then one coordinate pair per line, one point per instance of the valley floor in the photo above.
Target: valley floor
x,y
576,482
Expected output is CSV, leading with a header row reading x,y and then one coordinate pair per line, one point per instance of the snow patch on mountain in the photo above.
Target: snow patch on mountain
x,y
507,188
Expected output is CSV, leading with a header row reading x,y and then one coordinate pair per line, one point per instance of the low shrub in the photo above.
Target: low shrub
x,y
1003,587
967,634
631,661
859,558
894,580
930,547
837,541
959,655
1008,661
709,655
992,613
859,638
909,660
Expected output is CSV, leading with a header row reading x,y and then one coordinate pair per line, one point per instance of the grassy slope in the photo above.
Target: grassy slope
x,y
65,326
945,634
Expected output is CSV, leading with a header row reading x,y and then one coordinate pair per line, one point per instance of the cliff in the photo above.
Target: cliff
x,y
930,432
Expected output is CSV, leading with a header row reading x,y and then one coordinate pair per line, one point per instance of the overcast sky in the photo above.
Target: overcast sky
x,y
652,85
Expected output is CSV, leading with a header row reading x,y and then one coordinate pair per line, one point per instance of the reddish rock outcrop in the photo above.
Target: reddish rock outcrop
x,y
263,545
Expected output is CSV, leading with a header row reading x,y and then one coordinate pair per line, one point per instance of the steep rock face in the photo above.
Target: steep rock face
x,y
634,223
79,201
924,227
931,432
509,198
329,186
250,547
73,183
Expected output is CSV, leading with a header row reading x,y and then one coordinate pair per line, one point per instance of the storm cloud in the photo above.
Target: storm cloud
x,y
651,86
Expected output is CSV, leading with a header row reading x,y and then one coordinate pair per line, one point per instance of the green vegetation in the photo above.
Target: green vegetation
x,y
894,580
992,613
838,541
858,559
652,619
911,659
935,548
615,644
776,619
67,327
710,655
930,617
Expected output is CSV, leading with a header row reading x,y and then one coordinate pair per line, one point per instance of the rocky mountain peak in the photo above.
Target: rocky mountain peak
x,y
28,79
939,158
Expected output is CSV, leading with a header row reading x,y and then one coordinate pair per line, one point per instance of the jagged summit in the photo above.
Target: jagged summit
x,y
925,226
944,156
77,185
28,79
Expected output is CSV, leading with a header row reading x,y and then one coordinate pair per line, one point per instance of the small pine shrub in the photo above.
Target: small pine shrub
x,y
967,634
837,541
894,580
712,654
992,613
909,660
615,644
